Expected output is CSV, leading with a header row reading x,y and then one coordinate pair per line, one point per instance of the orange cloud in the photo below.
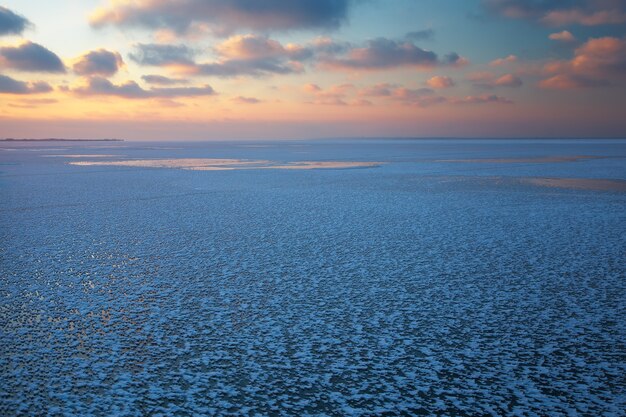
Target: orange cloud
x,y
440,81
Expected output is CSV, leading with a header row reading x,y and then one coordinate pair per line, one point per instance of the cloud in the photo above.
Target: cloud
x,y
440,81
247,100
489,80
251,55
564,36
9,85
596,63
585,17
255,55
336,95
100,62
223,16
11,23
503,61
258,55
98,86
161,80
378,90
421,35
418,97
382,53
508,80
251,67
570,82
311,88
424,97
162,55
482,99
30,57
32,103
562,12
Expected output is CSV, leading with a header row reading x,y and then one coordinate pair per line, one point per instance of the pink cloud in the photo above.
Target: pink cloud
x,y
561,13
489,80
595,63
564,36
247,100
378,90
335,95
582,17
503,61
482,99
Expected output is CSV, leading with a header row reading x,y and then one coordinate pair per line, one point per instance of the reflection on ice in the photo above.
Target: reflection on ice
x,y
579,183
530,160
211,164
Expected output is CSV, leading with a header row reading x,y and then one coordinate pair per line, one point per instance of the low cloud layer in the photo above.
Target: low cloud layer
x,y
241,55
30,57
100,62
11,23
162,80
9,85
388,93
489,80
223,16
98,86
383,53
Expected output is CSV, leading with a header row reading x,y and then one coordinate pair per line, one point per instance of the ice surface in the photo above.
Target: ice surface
x,y
416,288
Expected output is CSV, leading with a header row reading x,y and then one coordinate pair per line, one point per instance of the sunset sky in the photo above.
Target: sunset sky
x,y
264,69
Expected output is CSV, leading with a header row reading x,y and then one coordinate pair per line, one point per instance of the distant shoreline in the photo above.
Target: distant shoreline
x,y
60,140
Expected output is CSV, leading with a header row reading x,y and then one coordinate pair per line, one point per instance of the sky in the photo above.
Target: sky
x,y
275,69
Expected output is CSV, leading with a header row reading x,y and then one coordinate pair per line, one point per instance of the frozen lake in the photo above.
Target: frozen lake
x,y
312,278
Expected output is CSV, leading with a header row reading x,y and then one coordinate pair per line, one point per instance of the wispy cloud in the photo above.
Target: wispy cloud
x,y
420,35
482,99
563,36
98,86
247,100
503,61
162,55
488,80
562,12
9,85
162,80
